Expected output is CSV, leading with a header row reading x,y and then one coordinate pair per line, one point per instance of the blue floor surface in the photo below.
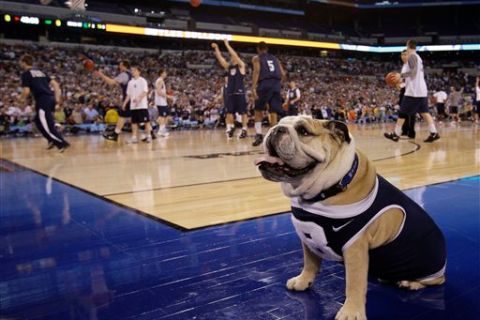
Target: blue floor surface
x,y
65,254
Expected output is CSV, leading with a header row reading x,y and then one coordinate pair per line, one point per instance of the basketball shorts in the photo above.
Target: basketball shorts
x,y
441,108
292,110
127,113
454,109
477,107
162,111
140,116
269,95
236,103
414,105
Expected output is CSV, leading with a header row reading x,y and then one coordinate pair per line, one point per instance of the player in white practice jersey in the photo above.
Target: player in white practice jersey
x,y
416,95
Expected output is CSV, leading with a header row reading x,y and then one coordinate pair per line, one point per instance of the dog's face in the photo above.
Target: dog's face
x,y
299,147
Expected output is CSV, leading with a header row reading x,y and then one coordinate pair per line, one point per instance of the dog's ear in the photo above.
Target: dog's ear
x,y
340,129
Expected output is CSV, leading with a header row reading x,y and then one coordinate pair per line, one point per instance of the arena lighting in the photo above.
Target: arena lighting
x,y
74,24
277,41
58,23
29,20
7,18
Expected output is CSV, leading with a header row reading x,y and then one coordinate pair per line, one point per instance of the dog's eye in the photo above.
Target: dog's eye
x,y
302,131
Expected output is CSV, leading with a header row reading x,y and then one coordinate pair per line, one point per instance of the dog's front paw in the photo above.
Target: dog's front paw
x,y
351,312
299,283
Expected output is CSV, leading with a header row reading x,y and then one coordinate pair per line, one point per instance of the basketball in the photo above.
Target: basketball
x,y
195,3
392,79
89,65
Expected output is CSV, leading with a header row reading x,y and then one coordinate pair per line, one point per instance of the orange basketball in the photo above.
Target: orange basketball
x,y
89,65
393,79
195,3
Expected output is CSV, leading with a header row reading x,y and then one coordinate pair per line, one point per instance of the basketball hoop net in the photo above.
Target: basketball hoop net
x,y
76,5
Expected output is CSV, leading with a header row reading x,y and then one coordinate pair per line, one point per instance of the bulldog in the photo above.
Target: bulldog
x,y
343,211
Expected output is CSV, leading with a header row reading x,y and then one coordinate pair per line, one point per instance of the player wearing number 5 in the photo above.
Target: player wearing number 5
x,y
266,86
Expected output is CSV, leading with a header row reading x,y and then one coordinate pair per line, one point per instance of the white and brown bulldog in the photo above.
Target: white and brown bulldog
x,y
342,210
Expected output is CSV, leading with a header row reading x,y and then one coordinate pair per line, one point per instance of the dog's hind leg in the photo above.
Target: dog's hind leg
x,y
311,265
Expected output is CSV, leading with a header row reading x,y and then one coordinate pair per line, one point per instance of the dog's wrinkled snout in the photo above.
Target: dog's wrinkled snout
x,y
280,130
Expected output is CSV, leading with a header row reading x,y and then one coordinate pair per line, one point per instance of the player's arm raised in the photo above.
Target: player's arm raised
x,y
219,56
255,76
235,57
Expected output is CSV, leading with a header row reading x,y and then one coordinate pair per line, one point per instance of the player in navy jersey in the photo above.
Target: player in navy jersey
x,y
120,80
266,87
40,86
235,90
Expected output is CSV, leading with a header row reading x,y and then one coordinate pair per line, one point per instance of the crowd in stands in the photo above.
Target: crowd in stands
x,y
345,89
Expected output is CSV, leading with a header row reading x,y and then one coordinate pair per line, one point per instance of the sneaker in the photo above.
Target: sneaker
x,y
432,137
230,133
258,140
164,134
147,140
113,136
243,134
64,147
50,145
132,140
392,136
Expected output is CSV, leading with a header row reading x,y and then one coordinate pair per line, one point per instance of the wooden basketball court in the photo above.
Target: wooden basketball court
x,y
198,178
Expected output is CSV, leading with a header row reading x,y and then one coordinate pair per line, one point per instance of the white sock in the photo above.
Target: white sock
x,y
398,130
258,127
162,128
432,128
244,128
229,126
117,131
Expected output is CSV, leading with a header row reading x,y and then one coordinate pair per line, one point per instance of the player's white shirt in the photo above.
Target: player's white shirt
x,y
440,96
477,90
134,89
416,86
159,100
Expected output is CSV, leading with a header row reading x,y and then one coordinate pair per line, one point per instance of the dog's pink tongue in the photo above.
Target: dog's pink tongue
x,y
269,159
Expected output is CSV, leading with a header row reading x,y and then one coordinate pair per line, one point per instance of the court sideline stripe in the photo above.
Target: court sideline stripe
x,y
417,147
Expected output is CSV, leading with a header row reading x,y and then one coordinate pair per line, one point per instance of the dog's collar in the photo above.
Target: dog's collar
x,y
338,187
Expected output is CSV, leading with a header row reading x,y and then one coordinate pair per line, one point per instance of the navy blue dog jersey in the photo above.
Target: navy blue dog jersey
x,y
418,252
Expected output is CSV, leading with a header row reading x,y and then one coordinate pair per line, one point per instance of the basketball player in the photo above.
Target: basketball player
x,y
161,102
293,97
415,99
266,88
440,99
408,128
38,83
136,99
236,101
454,102
477,99
120,80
